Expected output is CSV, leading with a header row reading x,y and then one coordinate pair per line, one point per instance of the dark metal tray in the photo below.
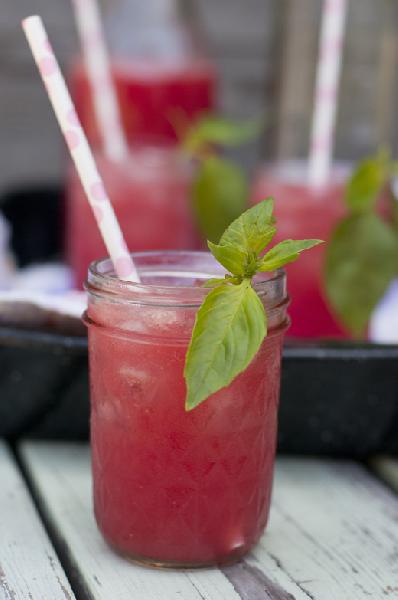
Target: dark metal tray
x,y
338,399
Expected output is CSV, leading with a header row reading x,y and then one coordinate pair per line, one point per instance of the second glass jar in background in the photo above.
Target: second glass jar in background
x,y
301,213
151,194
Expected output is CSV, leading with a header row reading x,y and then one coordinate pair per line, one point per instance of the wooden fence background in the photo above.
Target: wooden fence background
x,y
265,51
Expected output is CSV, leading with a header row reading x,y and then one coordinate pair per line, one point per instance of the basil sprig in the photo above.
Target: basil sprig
x,y
220,188
231,323
362,255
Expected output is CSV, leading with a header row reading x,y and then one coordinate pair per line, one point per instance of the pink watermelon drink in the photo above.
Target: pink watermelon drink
x,y
300,212
170,486
153,96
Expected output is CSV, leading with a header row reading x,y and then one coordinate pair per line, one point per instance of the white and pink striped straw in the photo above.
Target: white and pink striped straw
x,y
96,61
79,148
326,91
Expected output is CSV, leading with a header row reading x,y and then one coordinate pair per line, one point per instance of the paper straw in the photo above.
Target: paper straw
x,y
326,90
103,93
79,148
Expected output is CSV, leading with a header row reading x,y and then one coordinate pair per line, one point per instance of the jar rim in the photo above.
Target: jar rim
x,y
186,265
150,154
294,172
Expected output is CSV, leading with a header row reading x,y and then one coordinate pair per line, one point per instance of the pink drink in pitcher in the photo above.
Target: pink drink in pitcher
x,y
177,488
153,97
302,212
150,192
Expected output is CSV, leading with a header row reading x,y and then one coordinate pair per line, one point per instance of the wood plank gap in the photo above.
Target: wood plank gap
x,y
252,584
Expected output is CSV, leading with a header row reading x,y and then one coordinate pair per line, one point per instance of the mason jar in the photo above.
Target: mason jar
x,y
302,212
176,488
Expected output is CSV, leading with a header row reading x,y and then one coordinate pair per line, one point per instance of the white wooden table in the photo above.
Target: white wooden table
x,y
29,567
333,535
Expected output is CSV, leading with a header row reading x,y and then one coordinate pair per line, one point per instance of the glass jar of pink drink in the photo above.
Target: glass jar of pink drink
x,y
150,192
304,212
177,488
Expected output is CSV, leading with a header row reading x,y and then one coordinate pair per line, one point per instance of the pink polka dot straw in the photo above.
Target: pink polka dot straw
x,y
96,62
79,148
326,90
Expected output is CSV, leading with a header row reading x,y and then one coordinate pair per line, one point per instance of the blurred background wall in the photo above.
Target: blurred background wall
x,y
265,51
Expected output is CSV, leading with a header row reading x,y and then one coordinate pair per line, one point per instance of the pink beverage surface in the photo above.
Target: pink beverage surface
x,y
150,193
302,213
172,486
152,97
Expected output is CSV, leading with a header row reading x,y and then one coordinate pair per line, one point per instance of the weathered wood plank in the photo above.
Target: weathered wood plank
x,y
29,567
334,530
237,27
387,469
61,475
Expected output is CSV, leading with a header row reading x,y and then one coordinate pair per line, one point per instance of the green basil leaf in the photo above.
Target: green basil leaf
x,y
361,261
284,253
231,257
393,203
211,130
209,283
219,196
253,230
367,182
229,329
